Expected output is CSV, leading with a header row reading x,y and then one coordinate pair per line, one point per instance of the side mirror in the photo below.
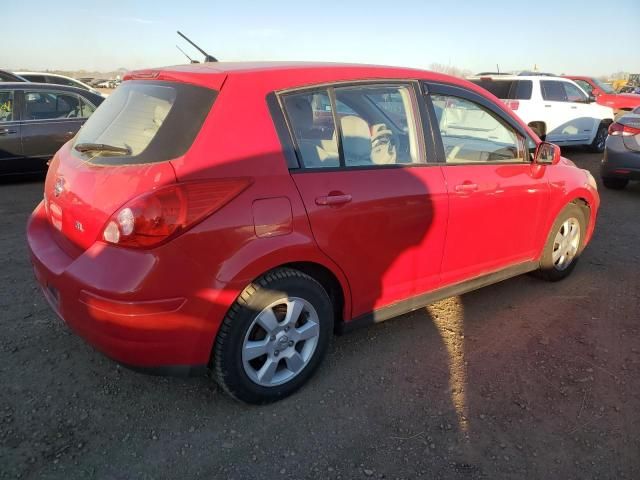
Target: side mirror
x,y
547,154
592,98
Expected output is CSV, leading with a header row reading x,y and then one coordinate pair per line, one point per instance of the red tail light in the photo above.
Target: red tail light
x,y
155,217
624,130
513,104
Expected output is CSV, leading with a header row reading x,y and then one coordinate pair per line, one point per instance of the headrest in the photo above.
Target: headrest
x,y
356,139
300,113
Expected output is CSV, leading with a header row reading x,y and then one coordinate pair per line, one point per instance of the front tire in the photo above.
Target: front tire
x,y
274,337
564,245
599,141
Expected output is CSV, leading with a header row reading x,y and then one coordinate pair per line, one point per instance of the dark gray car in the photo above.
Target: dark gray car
x,y
621,161
36,120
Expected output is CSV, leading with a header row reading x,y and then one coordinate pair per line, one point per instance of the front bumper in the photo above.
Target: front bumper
x,y
116,299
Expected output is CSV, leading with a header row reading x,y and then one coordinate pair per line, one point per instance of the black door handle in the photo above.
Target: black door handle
x,y
6,131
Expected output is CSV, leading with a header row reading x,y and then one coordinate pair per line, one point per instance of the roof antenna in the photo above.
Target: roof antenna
x,y
497,68
207,57
191,60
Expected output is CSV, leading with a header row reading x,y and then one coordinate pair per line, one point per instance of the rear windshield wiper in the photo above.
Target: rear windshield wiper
x,y
102,147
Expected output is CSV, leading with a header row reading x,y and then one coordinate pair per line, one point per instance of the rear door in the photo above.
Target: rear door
x,y
497,196
377,207
10,143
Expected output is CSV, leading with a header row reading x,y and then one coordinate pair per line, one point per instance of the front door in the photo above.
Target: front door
x,y
376,207
10,143
497,196
50,119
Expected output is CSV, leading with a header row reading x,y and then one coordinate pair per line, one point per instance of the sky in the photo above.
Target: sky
x,y
573,37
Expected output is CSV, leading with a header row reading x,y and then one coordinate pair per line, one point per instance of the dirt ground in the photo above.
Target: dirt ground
x,y
523,379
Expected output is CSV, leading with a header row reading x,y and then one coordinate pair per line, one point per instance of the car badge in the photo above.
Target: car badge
x,y
59,187
79,226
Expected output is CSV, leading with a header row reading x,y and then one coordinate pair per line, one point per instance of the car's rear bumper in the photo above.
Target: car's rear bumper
x,y
619,161
121,315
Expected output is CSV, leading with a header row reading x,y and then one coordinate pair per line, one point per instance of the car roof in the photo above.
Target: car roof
x,y
518,77
275,76
43,86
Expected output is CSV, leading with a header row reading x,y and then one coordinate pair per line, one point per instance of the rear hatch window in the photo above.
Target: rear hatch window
x,y
507,89
144,122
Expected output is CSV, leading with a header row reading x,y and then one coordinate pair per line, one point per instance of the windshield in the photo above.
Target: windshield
x,y
145,122
605,87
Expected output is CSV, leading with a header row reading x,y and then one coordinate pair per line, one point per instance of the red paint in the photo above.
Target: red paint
x,y
617,101
386,234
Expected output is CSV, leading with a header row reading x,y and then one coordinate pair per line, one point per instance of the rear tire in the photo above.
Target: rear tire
x,y
564,245
273,337
597,146
615,183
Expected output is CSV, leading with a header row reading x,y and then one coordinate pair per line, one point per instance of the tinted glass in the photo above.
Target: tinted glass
x,y
383,128
156,120
310,118
472,134
35,78
507,89
586,86
49,105
573,93
553,90
6,106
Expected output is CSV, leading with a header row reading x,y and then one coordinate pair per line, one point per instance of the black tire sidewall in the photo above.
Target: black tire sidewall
x,y
268,289
547,267
594,145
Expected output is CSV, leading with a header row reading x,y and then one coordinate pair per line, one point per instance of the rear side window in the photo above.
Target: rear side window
x,y
156,121
507,89
553,90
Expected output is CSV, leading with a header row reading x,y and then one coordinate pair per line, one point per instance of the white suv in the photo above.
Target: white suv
x,y
557,109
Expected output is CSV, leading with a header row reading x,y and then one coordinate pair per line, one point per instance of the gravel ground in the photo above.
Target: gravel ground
x,y
523,379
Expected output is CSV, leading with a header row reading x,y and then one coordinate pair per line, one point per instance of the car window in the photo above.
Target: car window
x,y
472,134
383,128
6,106
86,109
47,105
35,78
573,93
553,91
507,89
64,81
586,86
310,117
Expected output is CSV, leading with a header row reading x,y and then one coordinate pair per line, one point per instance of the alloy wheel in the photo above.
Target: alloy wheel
x,y
280,341
566,243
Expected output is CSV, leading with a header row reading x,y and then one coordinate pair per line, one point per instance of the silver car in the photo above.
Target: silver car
x,y
621,161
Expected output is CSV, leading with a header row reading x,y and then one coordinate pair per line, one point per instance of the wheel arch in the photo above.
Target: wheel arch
x,y
539,127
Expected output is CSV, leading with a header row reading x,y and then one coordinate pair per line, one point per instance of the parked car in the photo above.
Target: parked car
x,y
40,77
621,161
36,120
556,108
177,237
10,77
606,95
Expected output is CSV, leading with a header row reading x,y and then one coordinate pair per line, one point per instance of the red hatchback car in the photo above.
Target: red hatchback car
x,y
232,216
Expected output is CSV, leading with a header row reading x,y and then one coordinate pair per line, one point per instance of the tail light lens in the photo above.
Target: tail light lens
x,y
157,216
616,129
513,104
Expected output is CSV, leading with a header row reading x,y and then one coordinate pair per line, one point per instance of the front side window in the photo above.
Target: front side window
x,y
46,105
378,126
574,94
553,91
586,86
472,134
6,106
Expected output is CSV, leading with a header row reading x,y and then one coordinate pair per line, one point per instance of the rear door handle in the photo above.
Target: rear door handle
x,y
573,107
466,188
548,106
6,131
333,199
